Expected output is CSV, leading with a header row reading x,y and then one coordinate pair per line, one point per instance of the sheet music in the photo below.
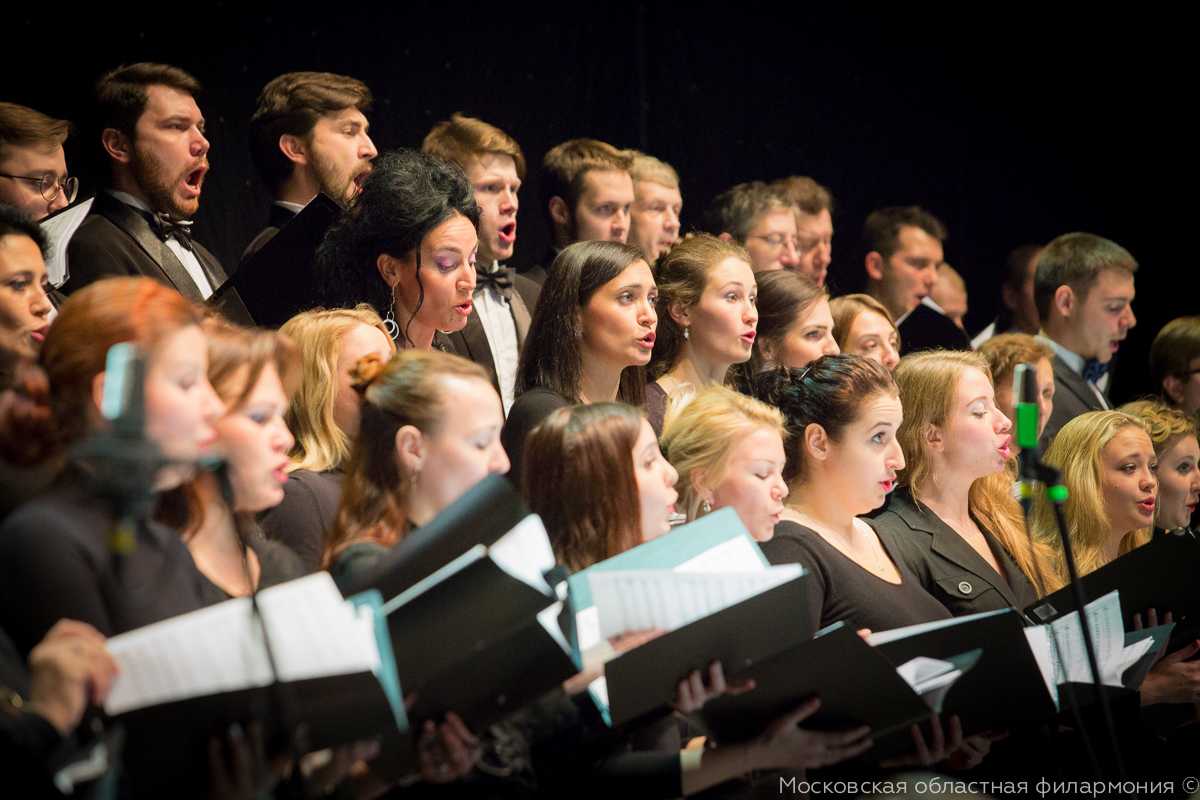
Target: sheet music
x,y
313,631
59,229
1108,636
1043,653
635,600
739,554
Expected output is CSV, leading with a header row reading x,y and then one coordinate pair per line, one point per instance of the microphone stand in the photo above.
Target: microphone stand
x,y
1057,494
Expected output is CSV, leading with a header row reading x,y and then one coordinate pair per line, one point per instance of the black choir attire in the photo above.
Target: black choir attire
x,y
1080,386
508,301
119,239
279,215
530,409
538,272
839,590
28,743
276,564
56,562
945,565
304,520
927,328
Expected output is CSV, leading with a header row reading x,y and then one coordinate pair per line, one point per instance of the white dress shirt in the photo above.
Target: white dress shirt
x,y
495,315
186,257
1076,362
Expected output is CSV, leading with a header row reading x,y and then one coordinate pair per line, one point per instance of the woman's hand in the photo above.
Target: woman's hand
x,y
785,745
70,670
448,751
1174,679
937,748
693,691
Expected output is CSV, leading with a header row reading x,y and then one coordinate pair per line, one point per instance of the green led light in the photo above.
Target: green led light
x,y
1057,494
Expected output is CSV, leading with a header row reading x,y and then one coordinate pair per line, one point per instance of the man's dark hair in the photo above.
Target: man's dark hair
x,y
735,210
14,222
406,195
881,231
121,94
291,105
1076,260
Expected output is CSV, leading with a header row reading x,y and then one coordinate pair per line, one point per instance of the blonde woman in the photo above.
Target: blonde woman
x,y
707,319
1108,462
1175,444
323,417
728,450
953,520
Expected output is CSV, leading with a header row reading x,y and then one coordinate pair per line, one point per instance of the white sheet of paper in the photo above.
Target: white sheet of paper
x,y
313,633
1043,653
733,555
635,600
59,231
525,552
1108,636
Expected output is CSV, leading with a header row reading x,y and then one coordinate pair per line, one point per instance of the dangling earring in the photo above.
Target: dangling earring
x,y
706,507
685,334
389,323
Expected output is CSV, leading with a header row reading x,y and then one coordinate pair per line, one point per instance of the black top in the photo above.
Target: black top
x,y
926,329
842,591
945,565
55,562
276,564
27,741
655,406
529,409
304,520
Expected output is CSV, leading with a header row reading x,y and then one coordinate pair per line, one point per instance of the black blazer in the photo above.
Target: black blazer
x,y
277,217
472,342
946,565
116,240
1072,397
926,329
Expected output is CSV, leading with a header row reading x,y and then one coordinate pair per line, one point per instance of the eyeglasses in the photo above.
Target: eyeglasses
x,y
778,240
50,186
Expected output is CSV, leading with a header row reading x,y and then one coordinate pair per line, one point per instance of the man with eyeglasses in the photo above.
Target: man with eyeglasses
x,y
152,136
760,218
33,167
814,225
902,248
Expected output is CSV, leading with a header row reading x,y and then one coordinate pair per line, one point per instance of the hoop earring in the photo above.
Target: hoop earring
x,y
389,323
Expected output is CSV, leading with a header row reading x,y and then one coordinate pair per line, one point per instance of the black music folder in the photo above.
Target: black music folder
x,y
279,281
482,636
857,685
1160,575
1006,686
487,511
643,680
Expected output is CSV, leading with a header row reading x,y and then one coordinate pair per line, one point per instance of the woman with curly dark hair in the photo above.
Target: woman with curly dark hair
x,y
407,246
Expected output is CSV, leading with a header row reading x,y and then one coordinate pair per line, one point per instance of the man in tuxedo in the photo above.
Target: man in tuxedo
x,y
657,204
309,134
760,218
503,300
1084,292
588,195
33,167
814,225
152,136
902,252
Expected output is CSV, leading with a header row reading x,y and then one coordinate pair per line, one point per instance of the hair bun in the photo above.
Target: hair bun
x,y
366,370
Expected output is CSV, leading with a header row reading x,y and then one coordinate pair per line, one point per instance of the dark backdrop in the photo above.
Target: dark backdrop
x,y
1011,126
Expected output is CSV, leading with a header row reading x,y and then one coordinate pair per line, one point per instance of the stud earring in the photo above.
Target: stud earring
x,y
706,507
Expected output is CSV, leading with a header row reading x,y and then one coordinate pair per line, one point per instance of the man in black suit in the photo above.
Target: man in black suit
x,y
152,135
902,248
1084,291
309,134
504,301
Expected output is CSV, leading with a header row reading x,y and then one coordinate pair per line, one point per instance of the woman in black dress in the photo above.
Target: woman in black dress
x,y
591,336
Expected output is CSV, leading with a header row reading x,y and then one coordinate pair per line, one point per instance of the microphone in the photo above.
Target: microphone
x,y
1026,413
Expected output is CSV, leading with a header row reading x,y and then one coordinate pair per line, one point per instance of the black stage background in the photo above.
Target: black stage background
x,y
1011,125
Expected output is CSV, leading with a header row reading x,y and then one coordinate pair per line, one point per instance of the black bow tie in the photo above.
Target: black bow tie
x,y
165,227
1093,370
501,279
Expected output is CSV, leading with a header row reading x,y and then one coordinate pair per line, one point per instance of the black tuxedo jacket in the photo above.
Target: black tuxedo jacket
x,y
115,240
276,219
472,342
926,329
1072,397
